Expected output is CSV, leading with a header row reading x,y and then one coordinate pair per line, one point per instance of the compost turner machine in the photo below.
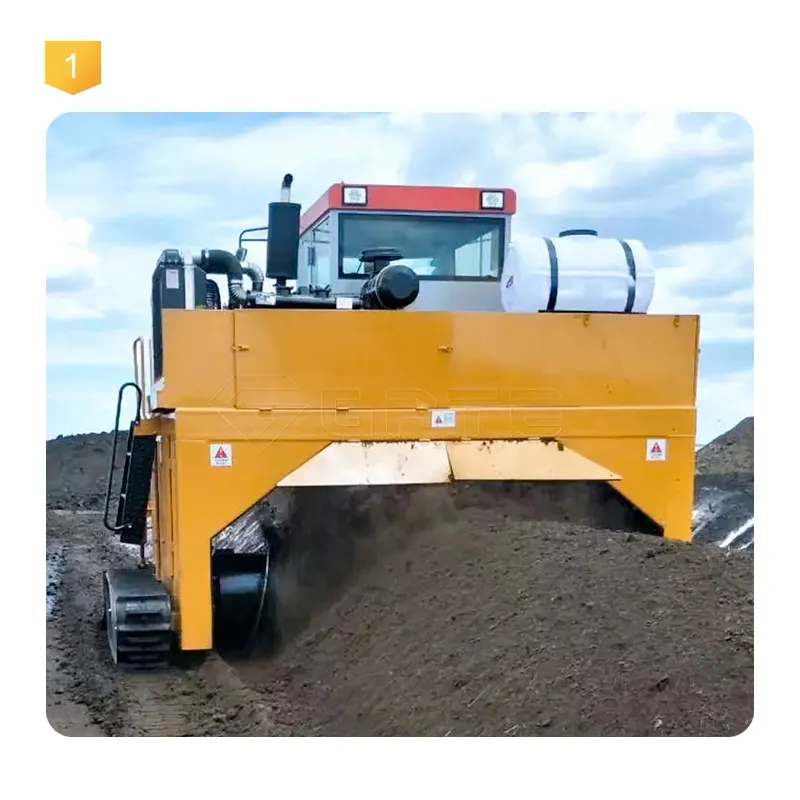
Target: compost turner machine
x,y
394,336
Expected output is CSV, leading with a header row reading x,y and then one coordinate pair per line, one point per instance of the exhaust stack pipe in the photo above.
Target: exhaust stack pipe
x,y
283,239
286,189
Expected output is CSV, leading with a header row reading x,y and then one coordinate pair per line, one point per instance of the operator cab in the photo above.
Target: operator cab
x,y
454,239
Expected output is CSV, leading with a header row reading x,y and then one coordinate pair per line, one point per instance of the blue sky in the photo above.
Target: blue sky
x,y
122,187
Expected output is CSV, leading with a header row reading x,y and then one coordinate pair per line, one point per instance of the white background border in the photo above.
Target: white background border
x,y
430,56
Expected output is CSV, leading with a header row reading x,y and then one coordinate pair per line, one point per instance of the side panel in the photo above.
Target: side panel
x,y
335,359
207,499
198,359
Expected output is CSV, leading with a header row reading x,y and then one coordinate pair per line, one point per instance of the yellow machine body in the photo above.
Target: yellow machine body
x,y
337,397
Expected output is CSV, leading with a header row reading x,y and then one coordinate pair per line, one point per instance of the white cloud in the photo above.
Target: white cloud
x,y
318,152
718,179
71,263
70,308
623,146
659,136
546,181
67,251
647,137
723,401
713,279
193,175
683,271
92,282
726,188
719,261
178,175
719,327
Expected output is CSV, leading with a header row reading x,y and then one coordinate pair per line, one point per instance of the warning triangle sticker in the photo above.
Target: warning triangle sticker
x,y
655,449
221,453
438,420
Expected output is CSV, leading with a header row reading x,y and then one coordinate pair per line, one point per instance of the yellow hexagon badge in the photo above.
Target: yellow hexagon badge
x,y
72,67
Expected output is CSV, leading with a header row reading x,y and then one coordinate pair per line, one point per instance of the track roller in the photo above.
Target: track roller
x,y
137,617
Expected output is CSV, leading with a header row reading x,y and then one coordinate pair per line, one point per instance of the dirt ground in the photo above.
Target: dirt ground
x,y
456,619
87,696
494,610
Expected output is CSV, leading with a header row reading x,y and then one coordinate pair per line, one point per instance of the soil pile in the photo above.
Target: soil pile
x,y
77,470
332,534
485,623
729,454
724,495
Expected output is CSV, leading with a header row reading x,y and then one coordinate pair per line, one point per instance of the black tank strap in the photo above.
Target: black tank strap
x,y
551,250
632,271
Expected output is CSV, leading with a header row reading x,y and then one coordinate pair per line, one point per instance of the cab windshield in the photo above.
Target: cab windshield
x,y
443,248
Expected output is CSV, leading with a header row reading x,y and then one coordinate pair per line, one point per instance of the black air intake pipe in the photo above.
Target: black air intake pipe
x,y
253,271
221,262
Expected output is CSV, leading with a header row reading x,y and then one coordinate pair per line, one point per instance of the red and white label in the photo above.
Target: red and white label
x,y
443,418
656,449
221,455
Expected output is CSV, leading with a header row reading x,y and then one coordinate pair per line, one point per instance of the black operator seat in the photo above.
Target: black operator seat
x,y
380,257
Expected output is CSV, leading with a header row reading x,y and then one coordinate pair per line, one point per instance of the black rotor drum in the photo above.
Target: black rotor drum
x,y
238,581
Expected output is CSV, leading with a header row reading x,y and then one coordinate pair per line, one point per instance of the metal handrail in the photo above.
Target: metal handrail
x,y
112,466
141,374
251,230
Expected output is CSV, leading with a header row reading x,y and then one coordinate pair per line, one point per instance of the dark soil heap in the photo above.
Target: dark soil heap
x,y
77,469
724,496
729,454
477,620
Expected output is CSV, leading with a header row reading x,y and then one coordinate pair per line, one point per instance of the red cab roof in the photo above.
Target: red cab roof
x,y
422,199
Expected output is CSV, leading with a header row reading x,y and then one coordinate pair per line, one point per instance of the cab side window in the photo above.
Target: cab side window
x,y
319,255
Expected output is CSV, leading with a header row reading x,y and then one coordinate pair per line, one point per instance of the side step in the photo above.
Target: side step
x,y
138,619
136,476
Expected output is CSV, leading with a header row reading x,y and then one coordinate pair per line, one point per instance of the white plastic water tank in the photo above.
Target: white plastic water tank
x,y
578,271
